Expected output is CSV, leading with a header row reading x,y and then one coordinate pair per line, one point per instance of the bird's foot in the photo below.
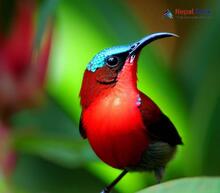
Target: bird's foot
x,y
106,190
159,173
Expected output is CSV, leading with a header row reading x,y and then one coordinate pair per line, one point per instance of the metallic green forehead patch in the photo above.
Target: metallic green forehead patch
x,y
98,60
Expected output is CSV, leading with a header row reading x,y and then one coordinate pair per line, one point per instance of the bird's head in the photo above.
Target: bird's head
x,y
113,65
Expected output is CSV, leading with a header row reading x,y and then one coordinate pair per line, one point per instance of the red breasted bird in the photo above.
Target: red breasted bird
x,y
125,128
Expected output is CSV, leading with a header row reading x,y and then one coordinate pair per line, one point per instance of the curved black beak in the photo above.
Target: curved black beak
x,y
137,46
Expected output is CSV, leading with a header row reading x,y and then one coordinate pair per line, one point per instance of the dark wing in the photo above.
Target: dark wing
x,y
158,125
82,130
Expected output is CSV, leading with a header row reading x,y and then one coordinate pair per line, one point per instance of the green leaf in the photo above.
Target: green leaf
x,y
49,133
3,187
46,11
47,119
187,185
60,150
36,175
199,73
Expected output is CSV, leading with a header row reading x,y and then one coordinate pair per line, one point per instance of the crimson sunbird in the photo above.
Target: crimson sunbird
x,y
125,128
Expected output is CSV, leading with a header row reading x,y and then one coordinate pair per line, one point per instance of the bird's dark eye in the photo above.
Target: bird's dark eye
x,y
112,61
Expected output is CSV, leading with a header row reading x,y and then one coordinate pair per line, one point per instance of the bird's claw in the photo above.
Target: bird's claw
x,y
105,190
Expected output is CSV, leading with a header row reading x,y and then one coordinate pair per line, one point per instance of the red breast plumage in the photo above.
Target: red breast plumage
x,y
114,124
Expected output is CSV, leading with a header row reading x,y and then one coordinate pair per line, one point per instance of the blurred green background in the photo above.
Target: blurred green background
x,y
180,74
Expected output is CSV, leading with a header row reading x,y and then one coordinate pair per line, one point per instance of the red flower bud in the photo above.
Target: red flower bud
x,y
7,155
22,65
